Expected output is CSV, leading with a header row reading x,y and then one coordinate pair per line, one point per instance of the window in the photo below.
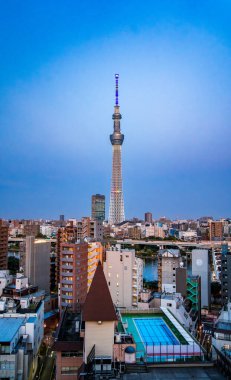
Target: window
x,y
69,370
109,283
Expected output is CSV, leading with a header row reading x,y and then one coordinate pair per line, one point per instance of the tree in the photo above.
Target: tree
x,y
13,264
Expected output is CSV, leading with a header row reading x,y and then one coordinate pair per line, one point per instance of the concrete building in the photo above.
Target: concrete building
x,y
200,267
5,279
225,274
3,245
215,230
100,316
85,337
21,333
95,254
73,273
30,228
148,217
37,262
98,207
168,261
124,275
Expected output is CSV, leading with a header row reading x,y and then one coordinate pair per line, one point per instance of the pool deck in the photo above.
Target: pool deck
x,y
187,346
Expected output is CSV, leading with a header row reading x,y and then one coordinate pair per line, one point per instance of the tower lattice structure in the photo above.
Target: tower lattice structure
x,y
116,210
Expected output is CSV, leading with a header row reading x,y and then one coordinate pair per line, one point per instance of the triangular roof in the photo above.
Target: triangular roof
x,y
98,305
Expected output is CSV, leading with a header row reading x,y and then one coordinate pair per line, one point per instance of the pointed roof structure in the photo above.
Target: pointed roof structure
x,y
98,305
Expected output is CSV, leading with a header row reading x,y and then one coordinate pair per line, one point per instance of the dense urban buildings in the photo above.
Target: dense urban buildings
x,y
116,210
98,207
3,245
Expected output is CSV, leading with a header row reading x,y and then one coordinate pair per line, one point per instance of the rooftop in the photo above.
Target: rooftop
x,y
68,333
9,327
98,305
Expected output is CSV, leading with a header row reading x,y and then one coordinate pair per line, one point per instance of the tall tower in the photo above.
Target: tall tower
x,y
116,211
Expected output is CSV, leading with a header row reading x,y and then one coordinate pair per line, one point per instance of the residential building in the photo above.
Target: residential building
x,y
148,217
73,273
124,275
98,207
3,245
225,274
5,279
215,230
168,261
30,228
95,254
21,333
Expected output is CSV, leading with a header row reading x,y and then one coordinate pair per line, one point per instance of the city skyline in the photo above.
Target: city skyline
x,y
56,86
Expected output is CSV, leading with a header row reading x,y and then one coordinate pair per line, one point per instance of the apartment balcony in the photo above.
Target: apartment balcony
x,y
67,260
67,266
63,296
64,304
68,282
134,285
66,289
65,252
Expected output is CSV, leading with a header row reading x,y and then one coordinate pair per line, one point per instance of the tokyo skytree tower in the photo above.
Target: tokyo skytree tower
x,y
116,211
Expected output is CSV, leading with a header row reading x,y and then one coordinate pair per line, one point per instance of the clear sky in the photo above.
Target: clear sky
x,y
57,65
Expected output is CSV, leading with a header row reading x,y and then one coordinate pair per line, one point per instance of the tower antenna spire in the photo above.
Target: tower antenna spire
x,y
116,89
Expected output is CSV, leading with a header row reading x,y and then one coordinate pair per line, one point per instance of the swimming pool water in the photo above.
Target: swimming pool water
x,y
154,330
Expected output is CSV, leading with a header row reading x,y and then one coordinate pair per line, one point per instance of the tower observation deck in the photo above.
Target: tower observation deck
x,y
116,210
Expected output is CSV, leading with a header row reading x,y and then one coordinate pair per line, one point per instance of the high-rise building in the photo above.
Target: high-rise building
x,y
98,207
124,275
148,217
116,210
73,273
215,230
37,262
225,274
168,261
95,253
3,245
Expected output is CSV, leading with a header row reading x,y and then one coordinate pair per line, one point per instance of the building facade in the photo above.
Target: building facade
x,y
73,273
98,207
3,245
116,210
124,275
200,267
148,217
37,262
168,261
215,230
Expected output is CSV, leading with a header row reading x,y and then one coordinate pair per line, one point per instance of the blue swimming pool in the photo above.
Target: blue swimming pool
x,y
154,331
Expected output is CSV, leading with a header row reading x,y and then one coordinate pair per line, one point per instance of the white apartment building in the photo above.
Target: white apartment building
x,y
168,261
124,275
5,279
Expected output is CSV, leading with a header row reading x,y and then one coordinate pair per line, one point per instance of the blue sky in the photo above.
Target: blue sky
x,y
58,60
